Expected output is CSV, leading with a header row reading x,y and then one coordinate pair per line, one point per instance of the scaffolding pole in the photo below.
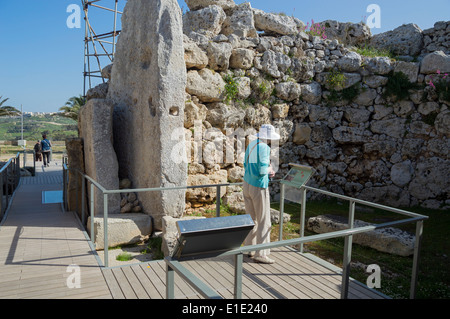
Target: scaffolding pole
x,y
99,49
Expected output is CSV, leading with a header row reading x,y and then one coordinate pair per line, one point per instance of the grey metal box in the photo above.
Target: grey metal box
x,y
211,236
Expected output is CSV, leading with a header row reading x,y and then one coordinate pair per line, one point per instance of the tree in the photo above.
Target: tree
x,y
7,110
72,107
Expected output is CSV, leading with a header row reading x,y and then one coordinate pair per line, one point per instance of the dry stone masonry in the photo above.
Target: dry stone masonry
x,y
373,127
331,104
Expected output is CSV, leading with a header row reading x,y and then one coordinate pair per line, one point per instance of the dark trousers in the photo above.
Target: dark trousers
x,y
46,156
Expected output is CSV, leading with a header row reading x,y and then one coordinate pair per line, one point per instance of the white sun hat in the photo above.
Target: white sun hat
x,y
267,132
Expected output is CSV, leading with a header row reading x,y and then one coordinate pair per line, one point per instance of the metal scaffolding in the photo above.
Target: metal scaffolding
x,y
99,48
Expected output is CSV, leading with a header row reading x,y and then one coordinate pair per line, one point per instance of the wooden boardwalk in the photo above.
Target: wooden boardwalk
x,y
293,276
39,243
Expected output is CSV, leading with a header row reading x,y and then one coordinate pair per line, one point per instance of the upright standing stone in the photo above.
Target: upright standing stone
x,y
95,125
147,88
75,154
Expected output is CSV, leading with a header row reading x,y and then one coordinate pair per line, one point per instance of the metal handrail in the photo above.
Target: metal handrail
x,y
11,168
347,233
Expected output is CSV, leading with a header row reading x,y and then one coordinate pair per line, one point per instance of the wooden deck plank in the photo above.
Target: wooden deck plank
x,y
249,288
113,285
299,279
328,277
215,281
125,286
184,287
146,282
155,279
135,283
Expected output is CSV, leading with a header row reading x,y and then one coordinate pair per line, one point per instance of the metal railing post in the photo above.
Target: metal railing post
x,y
83,212
217,201
105,227
170,282
415,269
238,258
65,205
302,215
280,235
7,185
92,214
347,253
1,194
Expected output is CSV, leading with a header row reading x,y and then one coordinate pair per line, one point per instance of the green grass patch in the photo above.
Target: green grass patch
x,y
372,52
434,277
124,256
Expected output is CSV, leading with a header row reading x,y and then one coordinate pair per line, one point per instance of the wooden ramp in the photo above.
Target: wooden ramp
x,y
39,242
293,276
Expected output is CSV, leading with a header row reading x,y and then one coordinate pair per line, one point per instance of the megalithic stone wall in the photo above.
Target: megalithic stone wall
x,y
95,126
147,88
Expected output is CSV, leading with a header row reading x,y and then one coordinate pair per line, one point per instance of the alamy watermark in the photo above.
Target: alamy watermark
x,y
374,279
374,19
74,19
74,279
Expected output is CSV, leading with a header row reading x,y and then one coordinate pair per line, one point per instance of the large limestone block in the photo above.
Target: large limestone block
x,y
96,130
240,21
75,154
147,87
207,85
207,21
389,240
275,23
436,61
122,229
407,39
200,4
347,32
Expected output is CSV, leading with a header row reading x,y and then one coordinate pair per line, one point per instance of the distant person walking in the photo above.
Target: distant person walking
x,y
256,190
38,151
46,149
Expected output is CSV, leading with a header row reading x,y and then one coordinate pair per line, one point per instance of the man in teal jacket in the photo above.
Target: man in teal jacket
x,y
256,191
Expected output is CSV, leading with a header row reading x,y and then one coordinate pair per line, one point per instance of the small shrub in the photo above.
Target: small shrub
x,y
398,86
441,84
347,94
154,244
429,118
335,79
231,88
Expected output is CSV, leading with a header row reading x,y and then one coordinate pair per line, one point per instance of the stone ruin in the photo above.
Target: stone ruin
x,y
167,85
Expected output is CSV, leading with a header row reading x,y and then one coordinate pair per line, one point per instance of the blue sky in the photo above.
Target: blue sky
x,y
41,59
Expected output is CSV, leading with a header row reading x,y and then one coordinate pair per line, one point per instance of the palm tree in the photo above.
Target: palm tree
x,y
7,110
72,107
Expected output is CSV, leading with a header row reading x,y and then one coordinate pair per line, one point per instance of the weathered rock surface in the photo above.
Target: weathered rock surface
x,y
96,131
207,21
240,22
434,62
147,88
200,4
275,23
407,39
122,229
389,240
